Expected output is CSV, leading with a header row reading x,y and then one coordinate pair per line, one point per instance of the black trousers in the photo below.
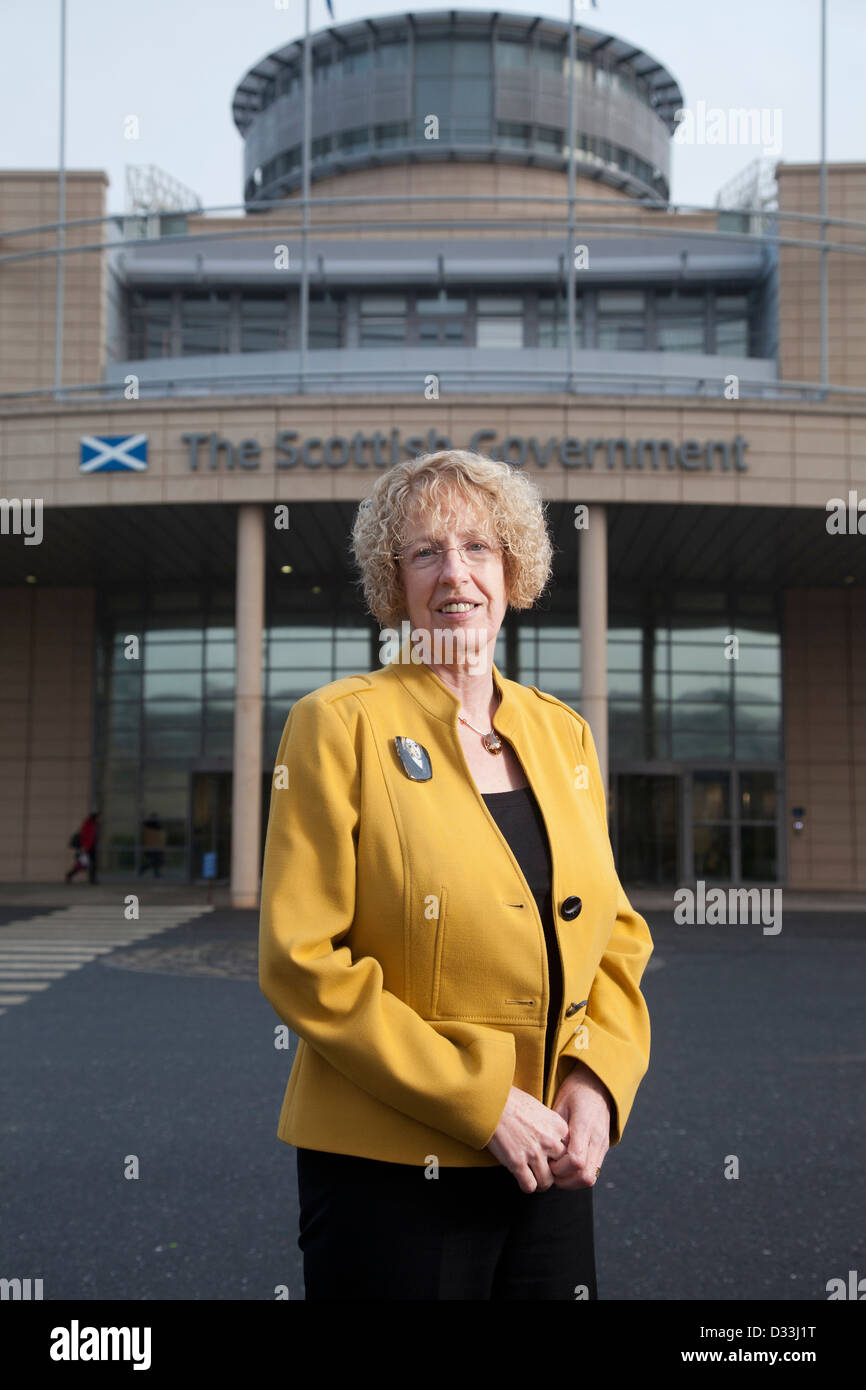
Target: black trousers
x,y
373,1230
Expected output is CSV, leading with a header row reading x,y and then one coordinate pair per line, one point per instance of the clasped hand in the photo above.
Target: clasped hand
x,y
560,1146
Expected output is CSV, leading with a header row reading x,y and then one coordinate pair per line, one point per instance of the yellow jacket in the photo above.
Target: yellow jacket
x,y
400,940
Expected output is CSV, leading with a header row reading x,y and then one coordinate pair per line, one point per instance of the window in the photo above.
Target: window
x,y
356,60
442,321
625,82
392,55
453,83
443,304
499,333
549,139
470,114
499,304
472,57
173,224
326,321
353,141
549,657
432,56
548,59
553,320
512,134
583,70
391,134
621,320
680,323
150,326
732,324
758,690
204,323
264,324
499,322
283,164
512,53
442,332
383,320
433,98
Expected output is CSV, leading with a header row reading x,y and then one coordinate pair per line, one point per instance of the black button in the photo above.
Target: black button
x,y
571,908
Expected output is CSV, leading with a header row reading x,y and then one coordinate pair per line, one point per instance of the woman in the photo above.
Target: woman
x,y
443,927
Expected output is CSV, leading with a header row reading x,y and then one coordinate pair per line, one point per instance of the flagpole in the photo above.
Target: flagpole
x,y
571,229
305,198
61,212
823,195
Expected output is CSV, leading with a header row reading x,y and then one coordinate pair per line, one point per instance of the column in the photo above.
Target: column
x,y
592,572
247,750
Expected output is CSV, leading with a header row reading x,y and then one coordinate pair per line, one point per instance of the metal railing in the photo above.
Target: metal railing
x,y
362,380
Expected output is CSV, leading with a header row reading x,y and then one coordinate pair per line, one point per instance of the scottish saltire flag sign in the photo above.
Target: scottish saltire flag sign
x,y
113,453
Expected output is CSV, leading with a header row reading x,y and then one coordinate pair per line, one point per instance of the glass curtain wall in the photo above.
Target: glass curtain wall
x,y
695,692
695,724
681,686
164,714
453,84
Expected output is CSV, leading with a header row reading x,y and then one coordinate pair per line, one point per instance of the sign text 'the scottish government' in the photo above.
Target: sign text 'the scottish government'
x,y
381,450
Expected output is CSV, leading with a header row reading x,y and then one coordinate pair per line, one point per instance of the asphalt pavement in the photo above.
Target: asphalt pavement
x,y
157,1054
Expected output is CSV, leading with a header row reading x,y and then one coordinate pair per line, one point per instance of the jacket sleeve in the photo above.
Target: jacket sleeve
x,y
454,1077
617,1019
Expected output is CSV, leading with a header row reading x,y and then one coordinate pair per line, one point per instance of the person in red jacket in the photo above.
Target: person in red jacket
x,y
85,851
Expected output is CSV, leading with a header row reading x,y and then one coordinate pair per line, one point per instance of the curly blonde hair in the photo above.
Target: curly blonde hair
x,y
499,492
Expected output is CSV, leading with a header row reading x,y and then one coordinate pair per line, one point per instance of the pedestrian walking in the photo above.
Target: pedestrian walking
x,y
87,837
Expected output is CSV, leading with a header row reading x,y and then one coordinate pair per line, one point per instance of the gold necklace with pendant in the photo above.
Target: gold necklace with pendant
x,y
492,742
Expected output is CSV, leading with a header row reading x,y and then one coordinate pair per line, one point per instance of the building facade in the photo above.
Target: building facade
x,y
174,554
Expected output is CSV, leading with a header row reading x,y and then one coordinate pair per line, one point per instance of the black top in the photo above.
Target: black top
x,y
519,818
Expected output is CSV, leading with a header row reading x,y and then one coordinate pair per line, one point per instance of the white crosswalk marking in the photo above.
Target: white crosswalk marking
x,y
35,951
40,972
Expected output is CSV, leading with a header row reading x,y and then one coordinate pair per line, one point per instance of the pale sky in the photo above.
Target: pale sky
x,y
174,65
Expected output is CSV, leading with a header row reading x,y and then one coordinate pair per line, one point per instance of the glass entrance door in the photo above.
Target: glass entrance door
x,y
734,824
646,825
712,825
211,822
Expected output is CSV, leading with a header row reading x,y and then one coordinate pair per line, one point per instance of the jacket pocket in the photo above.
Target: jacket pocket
x,y
487,965
438,952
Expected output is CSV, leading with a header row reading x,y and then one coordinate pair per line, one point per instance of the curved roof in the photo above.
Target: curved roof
x,y
667,96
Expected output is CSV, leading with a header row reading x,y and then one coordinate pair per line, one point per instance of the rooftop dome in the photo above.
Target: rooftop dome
x,y
457,85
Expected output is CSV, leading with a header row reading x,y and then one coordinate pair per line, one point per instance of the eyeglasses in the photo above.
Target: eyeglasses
x,y
423,556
